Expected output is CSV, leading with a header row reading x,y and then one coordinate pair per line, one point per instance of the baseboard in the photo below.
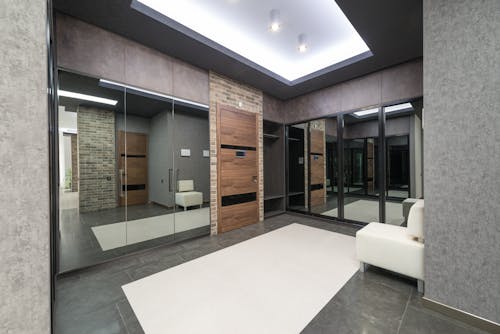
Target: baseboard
x,y
463,316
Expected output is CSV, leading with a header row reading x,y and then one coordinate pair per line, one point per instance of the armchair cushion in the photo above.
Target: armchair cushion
x,y
416,220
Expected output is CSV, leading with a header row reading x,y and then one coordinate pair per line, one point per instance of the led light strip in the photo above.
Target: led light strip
x,y
116,84
86,97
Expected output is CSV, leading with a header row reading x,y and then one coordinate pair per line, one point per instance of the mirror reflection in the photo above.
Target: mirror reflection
x,y
298,167
134,170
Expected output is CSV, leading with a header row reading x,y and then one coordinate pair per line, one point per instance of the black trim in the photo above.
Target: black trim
x,y
313,187
340,166
52,104
133,155
381,165
132,187
237,147
238,199
308,134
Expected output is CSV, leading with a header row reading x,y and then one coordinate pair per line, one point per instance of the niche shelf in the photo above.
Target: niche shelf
x,y
274,168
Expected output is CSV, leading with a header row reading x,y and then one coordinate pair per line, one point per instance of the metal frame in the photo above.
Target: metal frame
x,y
52,104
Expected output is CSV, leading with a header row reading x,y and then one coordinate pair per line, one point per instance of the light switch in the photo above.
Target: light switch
x,y
185,152
206,153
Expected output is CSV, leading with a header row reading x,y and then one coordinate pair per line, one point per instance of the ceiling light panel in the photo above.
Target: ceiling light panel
x,y
366,112
243,27
86,97
399,107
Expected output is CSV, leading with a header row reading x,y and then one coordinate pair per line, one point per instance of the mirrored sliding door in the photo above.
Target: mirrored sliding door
x,y
403,159
192,171
134,170
360,173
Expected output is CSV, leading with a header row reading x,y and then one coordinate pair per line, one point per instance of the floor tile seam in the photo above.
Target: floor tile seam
x,y
404,312
122,318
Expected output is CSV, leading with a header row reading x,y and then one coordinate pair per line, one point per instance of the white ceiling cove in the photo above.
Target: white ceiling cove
x,y
243,28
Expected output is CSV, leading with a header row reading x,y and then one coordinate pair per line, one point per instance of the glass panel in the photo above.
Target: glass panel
x,y
297,167
361,186
90,194
149,170
192,171
403,130
330,205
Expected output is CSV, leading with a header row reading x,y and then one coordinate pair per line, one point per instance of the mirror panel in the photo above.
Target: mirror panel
x,y
361,186
298,175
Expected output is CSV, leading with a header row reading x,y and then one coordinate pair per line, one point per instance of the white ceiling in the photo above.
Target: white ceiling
x,y
242,26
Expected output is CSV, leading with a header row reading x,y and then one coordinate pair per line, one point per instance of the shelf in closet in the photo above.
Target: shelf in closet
x,y
269,197
271,136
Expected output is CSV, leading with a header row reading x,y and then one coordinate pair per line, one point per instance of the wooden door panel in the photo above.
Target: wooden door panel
x,y
240,173
317,169
238,215
133,167
135,197
317,141
318,197
237,169
238,128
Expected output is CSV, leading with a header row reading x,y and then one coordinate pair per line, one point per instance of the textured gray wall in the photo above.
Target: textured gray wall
x,y
398,83
462,154
94,51
24,169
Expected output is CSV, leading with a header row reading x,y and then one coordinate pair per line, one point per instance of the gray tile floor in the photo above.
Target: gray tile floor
x,y
376,301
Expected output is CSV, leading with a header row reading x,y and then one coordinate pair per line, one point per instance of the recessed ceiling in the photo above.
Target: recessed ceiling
x,y
392,29
291,41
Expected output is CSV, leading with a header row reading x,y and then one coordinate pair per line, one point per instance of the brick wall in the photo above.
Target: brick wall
x,y
96,155
74,163
229,92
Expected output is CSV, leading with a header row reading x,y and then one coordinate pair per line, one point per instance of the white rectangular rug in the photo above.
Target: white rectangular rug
x,y
121,234
367,211
273,283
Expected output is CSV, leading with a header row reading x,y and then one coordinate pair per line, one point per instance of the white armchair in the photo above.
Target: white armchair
x,y
395,248
186,196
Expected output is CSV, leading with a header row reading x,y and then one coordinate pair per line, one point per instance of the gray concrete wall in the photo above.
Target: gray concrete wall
x,y
24,169
462,154
398,83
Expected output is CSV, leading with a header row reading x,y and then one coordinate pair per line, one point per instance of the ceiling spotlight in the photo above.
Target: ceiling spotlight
x,y
275,20
302,43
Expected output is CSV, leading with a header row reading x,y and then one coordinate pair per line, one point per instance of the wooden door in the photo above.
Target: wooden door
x,y
317,159
238,187
133,168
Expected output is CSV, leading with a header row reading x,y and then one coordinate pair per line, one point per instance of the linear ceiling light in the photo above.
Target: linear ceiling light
x,y
398,107
113,84
86,97
366,112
